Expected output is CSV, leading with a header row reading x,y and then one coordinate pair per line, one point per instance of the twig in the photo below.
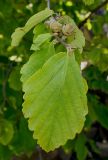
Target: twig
x,y
91,13
61,41
40,152
66,45
48,3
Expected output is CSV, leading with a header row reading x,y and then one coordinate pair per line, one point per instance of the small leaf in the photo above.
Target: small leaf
x,y
55,101
14,79
39,40
37,60
17,36
77,39
99,110
33,21
88,2
6,131
80,147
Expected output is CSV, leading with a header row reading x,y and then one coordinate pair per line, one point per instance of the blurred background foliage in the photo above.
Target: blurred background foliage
x,y
16,142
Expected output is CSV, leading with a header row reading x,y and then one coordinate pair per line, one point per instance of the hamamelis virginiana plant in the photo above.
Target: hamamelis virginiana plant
x,y
55,101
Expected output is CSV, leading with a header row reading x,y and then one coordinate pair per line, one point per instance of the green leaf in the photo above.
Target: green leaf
x,y
40,29
37,60
98,57
14,79
55,101
77,40
33,21
6,131
96,79
5,153
99,110
88,2
102,115
94,146
22,141
80,147
39,40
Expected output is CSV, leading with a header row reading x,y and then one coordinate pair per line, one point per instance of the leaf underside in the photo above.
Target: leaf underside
x,y
55,101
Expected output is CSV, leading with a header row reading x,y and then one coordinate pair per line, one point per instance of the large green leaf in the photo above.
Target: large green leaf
x,y
37,60
55,101
33,21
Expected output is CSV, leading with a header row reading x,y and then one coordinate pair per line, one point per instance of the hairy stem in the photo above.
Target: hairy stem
x,y
66,45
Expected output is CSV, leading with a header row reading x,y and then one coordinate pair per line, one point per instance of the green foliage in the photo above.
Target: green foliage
x,y
54,75
18,142
14,79
6,131
88,2
80,147
36,61
33,21
64,104
5,153
26,143
99,111
38,41
77,39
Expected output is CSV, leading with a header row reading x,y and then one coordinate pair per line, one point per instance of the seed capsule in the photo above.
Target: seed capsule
x,y
68,29
55,26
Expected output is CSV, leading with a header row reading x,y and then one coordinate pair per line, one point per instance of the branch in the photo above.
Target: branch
x,y
40,152
92,12
48,3
68,47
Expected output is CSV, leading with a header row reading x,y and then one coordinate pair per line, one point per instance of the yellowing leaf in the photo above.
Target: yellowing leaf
x,y
55,101
33,21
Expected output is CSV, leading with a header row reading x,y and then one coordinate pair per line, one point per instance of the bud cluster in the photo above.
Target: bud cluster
x,y
59,29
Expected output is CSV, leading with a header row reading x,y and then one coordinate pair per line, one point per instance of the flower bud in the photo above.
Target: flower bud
x,y
67,29
55,26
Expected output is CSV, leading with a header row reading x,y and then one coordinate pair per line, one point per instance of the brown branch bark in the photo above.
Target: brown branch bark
x,y
81,24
